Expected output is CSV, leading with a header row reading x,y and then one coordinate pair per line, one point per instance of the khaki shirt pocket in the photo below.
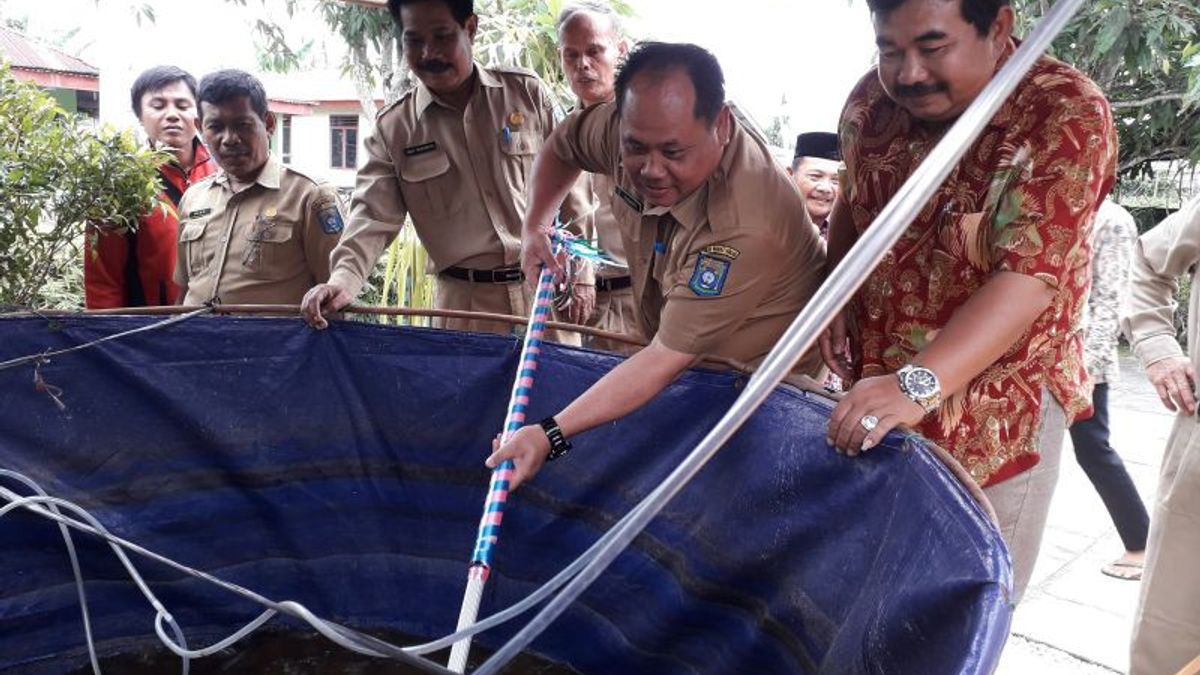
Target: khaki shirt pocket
x,y
518,151
271,252
426,184
198,253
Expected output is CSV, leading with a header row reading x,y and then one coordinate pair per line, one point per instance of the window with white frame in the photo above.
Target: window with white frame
x,y
285,140
343,141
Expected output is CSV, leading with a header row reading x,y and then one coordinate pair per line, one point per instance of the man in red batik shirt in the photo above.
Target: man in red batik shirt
x,y
123,268
969,330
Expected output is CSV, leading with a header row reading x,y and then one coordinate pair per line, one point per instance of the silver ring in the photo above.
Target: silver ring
x,y
869,422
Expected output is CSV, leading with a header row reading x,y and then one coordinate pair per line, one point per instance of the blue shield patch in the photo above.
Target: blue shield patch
x,y
331,220
708,279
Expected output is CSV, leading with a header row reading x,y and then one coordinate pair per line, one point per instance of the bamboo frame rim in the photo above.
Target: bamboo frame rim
x,y
294,310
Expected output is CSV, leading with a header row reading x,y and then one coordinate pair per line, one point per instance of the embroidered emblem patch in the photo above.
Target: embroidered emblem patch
x,y
515,119
708,279
331,220
415,150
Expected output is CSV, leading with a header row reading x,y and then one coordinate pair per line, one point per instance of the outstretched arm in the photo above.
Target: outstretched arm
x,y
624,389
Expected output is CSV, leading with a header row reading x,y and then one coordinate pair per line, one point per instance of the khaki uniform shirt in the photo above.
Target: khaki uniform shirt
x,y
461,175
1167,620
607,231
616,311
725,271
267,244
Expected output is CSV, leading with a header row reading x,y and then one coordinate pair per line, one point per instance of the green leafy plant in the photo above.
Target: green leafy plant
x,y
1145,55
57,174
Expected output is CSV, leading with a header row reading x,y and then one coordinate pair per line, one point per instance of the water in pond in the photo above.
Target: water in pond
x,y
283,653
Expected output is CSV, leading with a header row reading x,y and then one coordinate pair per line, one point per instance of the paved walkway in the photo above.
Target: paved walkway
x,y
1075,620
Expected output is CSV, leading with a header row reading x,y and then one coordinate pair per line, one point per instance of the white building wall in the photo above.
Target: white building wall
x,y
311,151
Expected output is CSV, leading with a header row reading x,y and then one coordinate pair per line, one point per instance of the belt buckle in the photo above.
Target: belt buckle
x,y
510,275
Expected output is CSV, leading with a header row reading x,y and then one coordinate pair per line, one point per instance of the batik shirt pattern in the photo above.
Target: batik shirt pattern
x,y
1112,252
1021,200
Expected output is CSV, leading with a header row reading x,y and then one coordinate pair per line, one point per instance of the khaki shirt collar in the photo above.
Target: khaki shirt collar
x,y
423,98
690,212
268,177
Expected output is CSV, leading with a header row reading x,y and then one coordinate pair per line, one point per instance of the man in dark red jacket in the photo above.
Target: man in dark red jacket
x,y
123,268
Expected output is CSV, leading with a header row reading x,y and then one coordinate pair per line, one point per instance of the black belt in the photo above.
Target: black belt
x,y
613,283
504,275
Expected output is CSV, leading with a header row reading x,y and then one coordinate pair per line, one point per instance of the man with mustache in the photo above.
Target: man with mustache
x,y
815,172
454,155
123,268
721,251
969,331
590,45
258,232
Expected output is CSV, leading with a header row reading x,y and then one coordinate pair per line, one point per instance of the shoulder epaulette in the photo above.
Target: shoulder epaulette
x,y
514,70
206,181
315,181
403,97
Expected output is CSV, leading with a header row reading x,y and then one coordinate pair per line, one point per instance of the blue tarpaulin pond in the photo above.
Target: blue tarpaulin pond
x,y
344,469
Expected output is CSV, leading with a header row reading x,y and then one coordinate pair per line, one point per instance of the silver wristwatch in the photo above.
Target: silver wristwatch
x,y
921,385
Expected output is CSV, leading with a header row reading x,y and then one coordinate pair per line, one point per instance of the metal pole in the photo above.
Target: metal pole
x,y
802,334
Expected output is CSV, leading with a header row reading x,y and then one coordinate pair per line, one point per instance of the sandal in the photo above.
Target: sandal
x,y
1130,571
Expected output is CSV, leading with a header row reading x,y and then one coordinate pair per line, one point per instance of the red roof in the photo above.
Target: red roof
x,y
25,54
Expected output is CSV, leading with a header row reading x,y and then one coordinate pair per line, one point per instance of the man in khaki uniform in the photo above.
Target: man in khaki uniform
x,y
721,251
590,47
257,232
454,153
1166,628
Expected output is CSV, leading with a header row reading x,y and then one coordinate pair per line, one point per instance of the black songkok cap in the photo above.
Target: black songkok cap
x,y
818,144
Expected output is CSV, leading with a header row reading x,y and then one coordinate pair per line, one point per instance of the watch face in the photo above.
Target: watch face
x,y
921,382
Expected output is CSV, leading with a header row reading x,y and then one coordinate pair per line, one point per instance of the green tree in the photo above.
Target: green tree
x,y
1146,57
780,124
57,173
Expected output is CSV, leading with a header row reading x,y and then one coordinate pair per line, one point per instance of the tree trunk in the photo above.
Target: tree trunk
x,y
361,70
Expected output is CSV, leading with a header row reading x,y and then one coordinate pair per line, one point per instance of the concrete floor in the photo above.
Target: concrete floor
x,y
1075,620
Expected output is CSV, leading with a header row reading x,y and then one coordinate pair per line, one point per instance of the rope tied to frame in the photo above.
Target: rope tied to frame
x,y
40,385
44,357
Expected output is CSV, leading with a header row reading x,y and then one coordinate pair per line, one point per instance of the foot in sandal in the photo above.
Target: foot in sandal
x,y
1128,566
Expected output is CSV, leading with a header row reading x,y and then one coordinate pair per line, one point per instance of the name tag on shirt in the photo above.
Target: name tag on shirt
x,y
627,197
198,213
414,150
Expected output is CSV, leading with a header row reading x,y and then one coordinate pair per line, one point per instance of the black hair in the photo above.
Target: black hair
x,y
979,13
461,10
699,64
155,79
224,85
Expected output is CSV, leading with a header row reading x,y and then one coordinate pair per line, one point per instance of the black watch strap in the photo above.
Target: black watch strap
x,y
558,443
